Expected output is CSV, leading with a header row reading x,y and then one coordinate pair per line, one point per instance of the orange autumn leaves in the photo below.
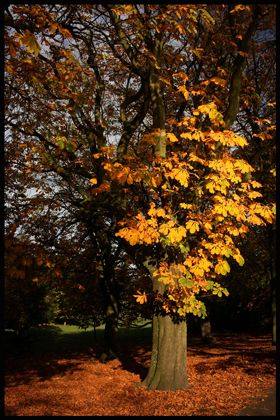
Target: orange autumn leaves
x,y
201,199
202,234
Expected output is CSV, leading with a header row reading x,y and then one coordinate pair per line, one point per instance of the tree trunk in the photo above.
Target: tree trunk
x,y
111,346
169,351
206,330
111,297
168,362
111,341
205,326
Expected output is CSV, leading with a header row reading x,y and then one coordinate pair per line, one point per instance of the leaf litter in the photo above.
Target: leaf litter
x,y
224,377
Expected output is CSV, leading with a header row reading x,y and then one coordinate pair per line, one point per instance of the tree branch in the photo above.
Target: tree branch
x,y
235,83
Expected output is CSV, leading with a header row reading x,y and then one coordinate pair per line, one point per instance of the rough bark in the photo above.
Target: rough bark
x,y
167,369
168,362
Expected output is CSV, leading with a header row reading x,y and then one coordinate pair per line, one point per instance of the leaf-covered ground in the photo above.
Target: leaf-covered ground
x,y
236,371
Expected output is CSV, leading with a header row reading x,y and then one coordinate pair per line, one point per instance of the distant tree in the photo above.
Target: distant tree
x,y
26,291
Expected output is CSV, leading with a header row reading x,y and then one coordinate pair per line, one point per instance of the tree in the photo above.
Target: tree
x,y
26,288
138,104
214,195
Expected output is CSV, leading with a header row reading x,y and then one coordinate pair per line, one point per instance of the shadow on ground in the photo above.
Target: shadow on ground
x,y
267,407
49,352
235,350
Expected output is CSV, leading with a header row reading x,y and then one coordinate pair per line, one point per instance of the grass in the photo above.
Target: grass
x,y
59,339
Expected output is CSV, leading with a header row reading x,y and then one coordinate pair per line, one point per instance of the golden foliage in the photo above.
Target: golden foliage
x,y
140,297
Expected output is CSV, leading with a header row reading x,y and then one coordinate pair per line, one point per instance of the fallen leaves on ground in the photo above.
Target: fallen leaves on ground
x,y
223,378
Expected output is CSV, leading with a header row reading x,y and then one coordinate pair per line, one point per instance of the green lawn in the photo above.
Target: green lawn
x,y
64,339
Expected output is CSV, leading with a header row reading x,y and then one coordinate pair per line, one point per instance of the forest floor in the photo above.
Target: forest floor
x,y
237,371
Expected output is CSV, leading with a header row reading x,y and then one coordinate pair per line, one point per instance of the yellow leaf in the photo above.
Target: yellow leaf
x,y
255,220
197,271
93,181
207,226
222,268
182,75
192,226
243,166
164,80
184,91
29,41
240,7
183,177
176,234
220,209
172,137
239,259
254,194
233,231
198,52
216,80
186,206
141,297
210,187
255,184
160,213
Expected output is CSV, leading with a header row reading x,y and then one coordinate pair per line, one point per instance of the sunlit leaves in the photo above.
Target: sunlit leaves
x,y
153,211
194,134
210,109
140,231
209,20
227,138
264,211
273,172
192,226
140,297
222,267
123,9
179,174
217,289
170,274
93,181
123,173
28,40
176,234
172,137
241,8
238,257
216,80
198,266
184,91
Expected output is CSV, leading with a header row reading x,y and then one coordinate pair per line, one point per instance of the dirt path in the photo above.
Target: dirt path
x,y
267,407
